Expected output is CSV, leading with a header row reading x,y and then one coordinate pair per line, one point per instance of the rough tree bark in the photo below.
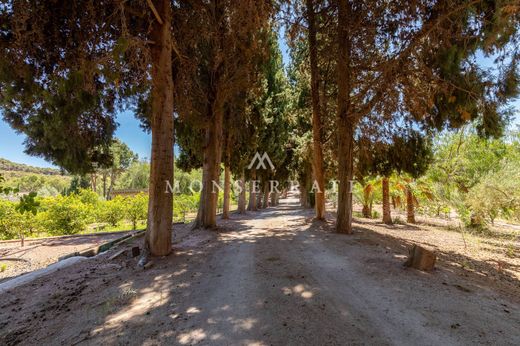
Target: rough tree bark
x,y
252,193
387,217
366,211
207,213
273,198
410,208
227,177
345,122
317,150
105,186
259,204
93,182
160,206
111,186
304,195
242,195
265,202
227,192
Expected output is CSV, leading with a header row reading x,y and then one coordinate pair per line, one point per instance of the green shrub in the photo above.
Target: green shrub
x,y
136,208
88,197
113,211
183,204
8,218
66,214
14,223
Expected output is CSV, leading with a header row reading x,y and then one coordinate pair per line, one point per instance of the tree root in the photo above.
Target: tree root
x,y
145,256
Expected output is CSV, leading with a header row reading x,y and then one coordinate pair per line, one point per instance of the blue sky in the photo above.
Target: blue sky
x,y
11,143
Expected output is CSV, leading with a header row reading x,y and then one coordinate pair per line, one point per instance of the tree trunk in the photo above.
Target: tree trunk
x,y
345,122
111,186
317,151
242,196
366,211
252,192
259,200
273,198
387,217
304,196
410,208
160,206
105,185
207,213
265,203
93,182
227,190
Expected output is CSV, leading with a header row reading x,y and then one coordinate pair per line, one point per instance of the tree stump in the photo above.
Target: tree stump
x,y
421,258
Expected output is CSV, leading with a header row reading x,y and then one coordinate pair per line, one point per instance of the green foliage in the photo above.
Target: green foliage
x,y
66,214
8,220
88,197
72,214
64,96
183,204
463,158
28,204
367,191
43,184
122,158
476,177
18,219
77,183
187,181
6,165
113,211
497,194
6,190
137,208
137,176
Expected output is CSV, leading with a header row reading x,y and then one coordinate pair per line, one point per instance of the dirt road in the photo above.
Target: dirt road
x,y
272,278
39,253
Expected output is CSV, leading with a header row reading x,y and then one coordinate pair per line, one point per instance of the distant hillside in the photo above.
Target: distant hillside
x,y
6,165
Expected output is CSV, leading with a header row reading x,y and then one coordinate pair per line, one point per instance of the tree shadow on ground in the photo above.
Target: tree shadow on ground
x,y
488,273
229,291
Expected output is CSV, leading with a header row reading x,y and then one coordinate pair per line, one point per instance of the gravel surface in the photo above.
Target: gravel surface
x,y
41,253
274,277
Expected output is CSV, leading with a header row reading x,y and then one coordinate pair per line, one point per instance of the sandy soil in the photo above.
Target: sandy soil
x,y
271,278
41,253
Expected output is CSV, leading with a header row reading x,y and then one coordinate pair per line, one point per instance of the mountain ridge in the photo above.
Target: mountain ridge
x,y
7,165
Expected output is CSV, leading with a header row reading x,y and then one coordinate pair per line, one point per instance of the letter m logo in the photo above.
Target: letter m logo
x,y
261,161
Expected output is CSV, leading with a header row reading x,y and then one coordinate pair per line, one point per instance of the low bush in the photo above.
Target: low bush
x,y
113,211
66,215
136,208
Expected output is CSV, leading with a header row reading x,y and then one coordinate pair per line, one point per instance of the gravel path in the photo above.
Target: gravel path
x,y
40,253
271,278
